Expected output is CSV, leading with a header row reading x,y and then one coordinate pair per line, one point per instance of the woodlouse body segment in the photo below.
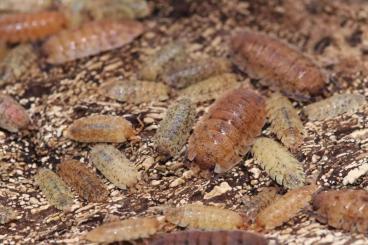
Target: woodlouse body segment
x,y
186,72
285,122
13,116
55,190
276,63
114,166
7,214
222,137
196,216
334,106
90,39
124,230
174,129
210,88
278,162
285,207
211,237
101,128
155,65
135,92
83,181
343,209
21,27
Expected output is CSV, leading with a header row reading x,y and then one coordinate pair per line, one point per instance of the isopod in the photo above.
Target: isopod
x,y
124,230
257,203
285,207
278,162
183,73
210,237
83,181
7,214
114,165
280,66
21,27
90,39
55,190
174,129
334,106
16,63
210,88
226,132
13,116
195,216
155,65
101,128
343,209
285,122
134,92
24,6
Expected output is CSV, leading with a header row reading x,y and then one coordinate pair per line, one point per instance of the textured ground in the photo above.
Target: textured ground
x,y
332,32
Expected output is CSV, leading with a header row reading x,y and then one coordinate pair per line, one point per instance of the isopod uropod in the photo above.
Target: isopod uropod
x,y
21,27
343,209
277,161
13,116
226,132
101,128
83,181
90,39
197,216
114,165
277,64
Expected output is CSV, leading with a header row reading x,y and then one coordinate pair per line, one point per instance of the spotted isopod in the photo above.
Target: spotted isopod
x,y
13,116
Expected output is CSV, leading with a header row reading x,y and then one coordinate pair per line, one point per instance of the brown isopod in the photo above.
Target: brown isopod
x,y
285,122
185,72
195,216
13,116
124,230
135,92
7,214
285,207
280,66
222,137
83,181
211,237
21,27
334,106
101,128
174,129
90,39
343,209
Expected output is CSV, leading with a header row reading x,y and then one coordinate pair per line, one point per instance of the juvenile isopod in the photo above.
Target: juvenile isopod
x,y
155,64
334,106
174,129
210,88
21,27
135,92
257,203
7,214
222,137
285,207
55,190
124,230
195,216
185,72
16,63
101,128
13,116
114,165
83,181
90,39
280,66
285,122
278,162
211,237
343,209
